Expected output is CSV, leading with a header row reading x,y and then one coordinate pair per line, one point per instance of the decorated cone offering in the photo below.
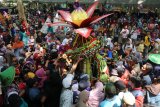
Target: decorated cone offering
x,y
84,43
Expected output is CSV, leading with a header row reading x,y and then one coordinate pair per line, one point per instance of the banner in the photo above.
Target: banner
x,y
44,28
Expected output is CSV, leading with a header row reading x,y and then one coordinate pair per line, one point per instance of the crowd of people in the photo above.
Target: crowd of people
x,y
47,77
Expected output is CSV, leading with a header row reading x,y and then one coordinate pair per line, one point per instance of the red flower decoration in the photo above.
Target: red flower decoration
x,y
80,20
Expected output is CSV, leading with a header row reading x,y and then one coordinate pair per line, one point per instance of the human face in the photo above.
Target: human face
x,y
119,47
144,69
131,63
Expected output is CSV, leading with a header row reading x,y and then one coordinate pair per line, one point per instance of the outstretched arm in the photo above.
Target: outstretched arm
x,y
74,66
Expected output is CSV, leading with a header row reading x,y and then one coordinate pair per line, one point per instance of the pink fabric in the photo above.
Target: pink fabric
x,y
96,95
42,75
42,82
92,8
125,77
139,101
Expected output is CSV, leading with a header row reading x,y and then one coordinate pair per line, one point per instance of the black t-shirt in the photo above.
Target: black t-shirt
x,y
7,39
52,90
39,39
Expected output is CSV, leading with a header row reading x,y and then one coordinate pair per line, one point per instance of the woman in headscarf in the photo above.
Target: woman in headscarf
x,y
137,91
25,39
112,100
129,46
66,97
153,93
17,46
83,98
52,90
96,95
109,43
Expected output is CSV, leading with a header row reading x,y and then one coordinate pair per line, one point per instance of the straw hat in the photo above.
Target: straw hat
x,y
128,98
28,54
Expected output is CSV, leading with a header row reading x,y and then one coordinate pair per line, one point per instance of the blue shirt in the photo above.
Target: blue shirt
x,y
113,102
110,54
50,29
25,39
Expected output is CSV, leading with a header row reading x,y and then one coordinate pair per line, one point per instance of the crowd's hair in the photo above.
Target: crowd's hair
x,y
149,66
14,100
136,81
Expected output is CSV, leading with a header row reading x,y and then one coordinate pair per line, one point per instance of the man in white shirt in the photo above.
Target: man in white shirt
x,y
124,34
129,46
66,40
134,33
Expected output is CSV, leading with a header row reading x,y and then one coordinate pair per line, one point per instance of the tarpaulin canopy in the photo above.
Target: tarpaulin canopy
x,y
85,1
154,2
